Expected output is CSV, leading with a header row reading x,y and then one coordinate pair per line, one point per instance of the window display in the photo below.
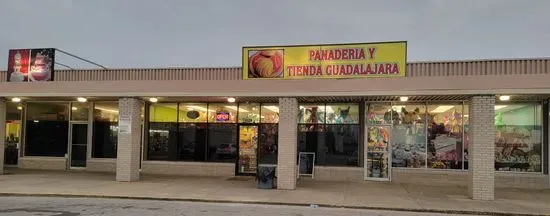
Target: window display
x,y
248,145
518,137
379,114
270,113
311,114
342,114
377,163
408,139
249,113
222,113
105,130
193,112
445,136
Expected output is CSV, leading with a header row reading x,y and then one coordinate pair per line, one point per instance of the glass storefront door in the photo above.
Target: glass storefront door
x,y
378,157
267,143
78,145
248,145
13,142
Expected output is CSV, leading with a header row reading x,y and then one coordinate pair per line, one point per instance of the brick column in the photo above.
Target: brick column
x,y
2,133
481,150
287,149
129,136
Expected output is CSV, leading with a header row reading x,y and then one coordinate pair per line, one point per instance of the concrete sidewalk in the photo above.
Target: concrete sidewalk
x,y
372,195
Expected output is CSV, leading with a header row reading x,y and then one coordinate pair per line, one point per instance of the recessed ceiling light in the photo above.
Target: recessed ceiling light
x,y
231,100
403,99
81,99
19,107
74,108
153,100
504,97
16,100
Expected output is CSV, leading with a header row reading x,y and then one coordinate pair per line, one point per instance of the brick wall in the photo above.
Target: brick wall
x,y
434,177
43,163
188,168
287,149
482,148
128,148
101,165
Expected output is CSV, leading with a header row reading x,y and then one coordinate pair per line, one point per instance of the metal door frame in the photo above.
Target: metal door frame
x,y
70,146
389,152
257,125
19,145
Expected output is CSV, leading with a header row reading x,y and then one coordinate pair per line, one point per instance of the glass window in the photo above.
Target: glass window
x,y
333,145
249,113
310,138
341,146
163,112
445,136
192,142
105,130
13,111
466,138
270,113
518,137
222,143
342,114
312,114
268,143
162,141
379,114
222,113
47,129
193,112
79,111
408,136
13,132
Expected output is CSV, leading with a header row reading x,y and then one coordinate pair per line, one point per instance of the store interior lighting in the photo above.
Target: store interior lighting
x,y
106,109
235,108
403,99
272,108
497,107
504,97
81,99
16,100
442,109
231,100
153,100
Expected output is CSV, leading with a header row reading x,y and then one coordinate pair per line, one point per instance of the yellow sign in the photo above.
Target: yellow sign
x,y
362,60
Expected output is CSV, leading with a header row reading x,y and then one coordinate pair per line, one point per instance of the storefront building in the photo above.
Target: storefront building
x,y
482,124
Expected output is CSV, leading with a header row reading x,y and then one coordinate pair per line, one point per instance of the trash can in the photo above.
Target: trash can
x,y
266,176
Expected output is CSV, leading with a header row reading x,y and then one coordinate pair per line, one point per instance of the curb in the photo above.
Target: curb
x,y
268,203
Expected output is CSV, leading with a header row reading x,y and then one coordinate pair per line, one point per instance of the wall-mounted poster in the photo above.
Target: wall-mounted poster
x,y
31,65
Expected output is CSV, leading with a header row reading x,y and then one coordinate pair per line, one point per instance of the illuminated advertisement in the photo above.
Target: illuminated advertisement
x,y
364,60
31,65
